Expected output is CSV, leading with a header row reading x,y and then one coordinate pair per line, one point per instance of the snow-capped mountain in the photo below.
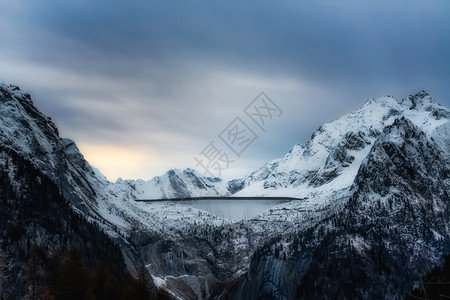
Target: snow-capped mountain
x,y
50,201
331,158
372,240
176,184
375,208
30,135
374,213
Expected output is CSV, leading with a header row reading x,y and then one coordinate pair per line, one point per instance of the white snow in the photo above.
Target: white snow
x,y
302,160
290,175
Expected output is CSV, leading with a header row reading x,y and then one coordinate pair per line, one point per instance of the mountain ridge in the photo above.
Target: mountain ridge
x,y
376,112
374,187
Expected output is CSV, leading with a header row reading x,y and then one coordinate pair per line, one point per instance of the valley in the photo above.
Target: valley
x,y
373,214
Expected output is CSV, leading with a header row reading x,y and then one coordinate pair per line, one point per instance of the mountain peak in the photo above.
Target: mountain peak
x,y
337,148
419,100
383,101
13,91
23,126
421,94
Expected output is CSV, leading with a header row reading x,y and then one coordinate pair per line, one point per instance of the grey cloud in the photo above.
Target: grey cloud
x,y
157,64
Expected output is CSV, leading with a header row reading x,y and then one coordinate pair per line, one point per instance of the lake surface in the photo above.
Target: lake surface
x,y
233,209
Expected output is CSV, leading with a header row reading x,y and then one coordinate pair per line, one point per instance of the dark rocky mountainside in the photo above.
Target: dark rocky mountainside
x,y
37,224
392,229
47,204
373,216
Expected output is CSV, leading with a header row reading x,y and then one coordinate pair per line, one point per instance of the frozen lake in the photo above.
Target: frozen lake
x,y
232,209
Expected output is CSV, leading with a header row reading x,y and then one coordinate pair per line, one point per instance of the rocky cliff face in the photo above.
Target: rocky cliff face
x,y
392,228
36,223
49,201
373,216
33,140
335,151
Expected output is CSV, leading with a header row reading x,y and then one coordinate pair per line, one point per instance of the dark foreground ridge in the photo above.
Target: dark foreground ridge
x,y
222,198
68,233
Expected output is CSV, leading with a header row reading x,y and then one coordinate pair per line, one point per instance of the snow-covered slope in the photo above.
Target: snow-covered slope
x,y
375,216
343,175
175,184
30,134
331,158
34,136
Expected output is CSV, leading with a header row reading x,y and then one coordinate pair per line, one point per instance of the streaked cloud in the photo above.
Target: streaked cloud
x,y
166,78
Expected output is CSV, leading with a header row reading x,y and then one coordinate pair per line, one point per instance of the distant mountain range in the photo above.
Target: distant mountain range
x,y
374,216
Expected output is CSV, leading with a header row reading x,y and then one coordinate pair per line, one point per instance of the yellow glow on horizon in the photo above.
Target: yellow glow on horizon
x,y
116,161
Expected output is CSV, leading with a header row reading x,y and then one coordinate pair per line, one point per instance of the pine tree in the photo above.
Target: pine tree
x,y
72,279
1,273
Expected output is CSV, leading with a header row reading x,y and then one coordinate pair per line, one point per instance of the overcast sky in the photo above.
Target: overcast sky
x,y
145,87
